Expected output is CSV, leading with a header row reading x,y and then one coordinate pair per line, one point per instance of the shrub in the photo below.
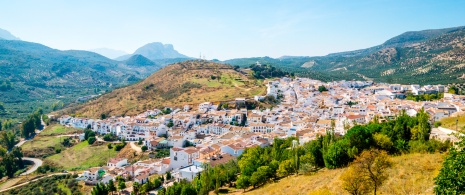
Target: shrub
x,y
91,140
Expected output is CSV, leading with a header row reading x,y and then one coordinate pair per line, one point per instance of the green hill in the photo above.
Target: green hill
x,y
34,75
423,57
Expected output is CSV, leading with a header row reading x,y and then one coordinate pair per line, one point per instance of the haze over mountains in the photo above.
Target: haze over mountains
x,y
4,34
109,53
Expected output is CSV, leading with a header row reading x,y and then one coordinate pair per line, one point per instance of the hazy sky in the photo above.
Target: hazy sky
x,y
225,29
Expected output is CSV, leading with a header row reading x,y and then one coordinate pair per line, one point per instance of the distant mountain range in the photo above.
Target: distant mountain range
x,y
4,34
423,57
156,51
109,53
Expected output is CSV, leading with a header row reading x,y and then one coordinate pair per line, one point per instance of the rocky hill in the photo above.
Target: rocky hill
x,y
189,82
156,51
34,75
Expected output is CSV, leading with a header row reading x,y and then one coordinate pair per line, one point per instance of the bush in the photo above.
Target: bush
x,y
91,140
118,147
144,148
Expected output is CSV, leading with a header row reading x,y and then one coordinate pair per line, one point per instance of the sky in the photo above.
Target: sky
x,y
225,29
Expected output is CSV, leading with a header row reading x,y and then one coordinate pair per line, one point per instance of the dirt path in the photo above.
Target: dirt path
x,y
25,183
37,164
136,148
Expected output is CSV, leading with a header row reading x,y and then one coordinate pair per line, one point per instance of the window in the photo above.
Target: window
x,y
176,158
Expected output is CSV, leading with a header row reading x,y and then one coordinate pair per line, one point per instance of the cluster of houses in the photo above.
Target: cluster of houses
x,y
209,135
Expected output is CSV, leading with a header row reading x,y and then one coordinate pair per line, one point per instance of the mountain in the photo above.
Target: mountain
x,y
35,75
4,34
156,51
109,53
139,60
188,82
423,57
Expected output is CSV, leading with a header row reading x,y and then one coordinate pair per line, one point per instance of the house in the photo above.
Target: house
x,y
93,174
189,173
182,157
142,178
117,162
235,149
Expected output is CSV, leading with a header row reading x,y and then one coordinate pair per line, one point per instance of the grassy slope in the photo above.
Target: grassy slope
x,y
82,156
450,122
411,174
167,87
57,129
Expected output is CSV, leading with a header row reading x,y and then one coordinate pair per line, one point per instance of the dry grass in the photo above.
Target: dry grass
x,y
57,129
450,122
82,156
167,87
410,174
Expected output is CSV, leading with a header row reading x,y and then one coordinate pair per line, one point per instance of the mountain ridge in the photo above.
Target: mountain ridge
x,y
434,56
155,51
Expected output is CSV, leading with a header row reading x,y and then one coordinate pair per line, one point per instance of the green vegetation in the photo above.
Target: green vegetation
x,y
450,179
395,61
82,156
33,122
102,189
322,88
57,129
266,71
425,97
57,184
11,162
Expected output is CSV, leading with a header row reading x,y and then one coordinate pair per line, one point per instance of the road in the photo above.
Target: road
x,y
37,164
25,183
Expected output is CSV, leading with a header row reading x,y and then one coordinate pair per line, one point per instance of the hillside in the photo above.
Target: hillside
x,y
410,174
35,75
423,57
189,82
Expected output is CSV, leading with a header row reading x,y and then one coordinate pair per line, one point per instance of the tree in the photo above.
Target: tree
x,y
139,142
136,187
121,185
170,124
144,148
422,130
371,166
451,179
285,168
383,141
354,183
91,140
111,186
322,88
260,176
103,116
168,175
243,182
28,128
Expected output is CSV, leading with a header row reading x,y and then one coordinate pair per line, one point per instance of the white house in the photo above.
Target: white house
x,y
117,162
